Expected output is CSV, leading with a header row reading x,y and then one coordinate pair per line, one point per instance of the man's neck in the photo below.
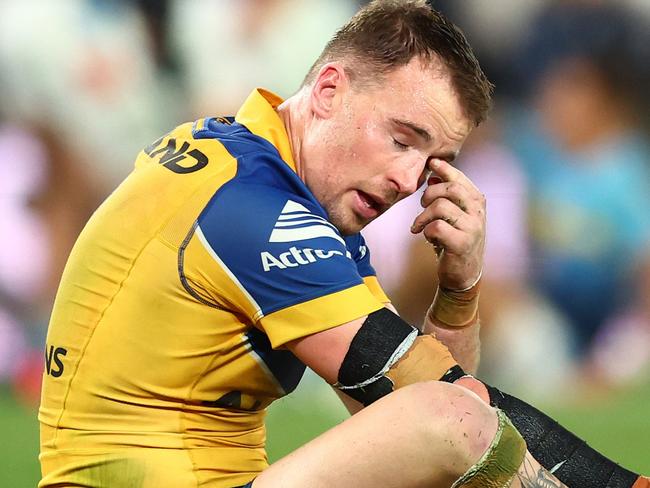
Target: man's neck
x,y
292,114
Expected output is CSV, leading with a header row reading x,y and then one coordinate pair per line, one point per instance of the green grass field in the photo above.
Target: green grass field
x,y
619,427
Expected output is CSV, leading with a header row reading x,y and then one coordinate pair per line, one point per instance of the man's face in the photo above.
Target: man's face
x,y
374,147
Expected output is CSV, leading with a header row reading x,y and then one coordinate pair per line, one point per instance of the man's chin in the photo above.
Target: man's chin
x,y
350,226
346,220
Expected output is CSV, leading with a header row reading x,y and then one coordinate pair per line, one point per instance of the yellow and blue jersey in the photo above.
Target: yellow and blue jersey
x,y
165,345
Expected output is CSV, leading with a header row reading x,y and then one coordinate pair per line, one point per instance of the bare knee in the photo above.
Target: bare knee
x,y
456,423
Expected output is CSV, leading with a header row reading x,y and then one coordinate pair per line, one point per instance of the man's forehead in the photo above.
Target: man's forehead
x,y
423,94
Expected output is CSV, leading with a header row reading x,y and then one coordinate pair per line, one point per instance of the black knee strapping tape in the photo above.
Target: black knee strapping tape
x,y
570,459
453,374
371,348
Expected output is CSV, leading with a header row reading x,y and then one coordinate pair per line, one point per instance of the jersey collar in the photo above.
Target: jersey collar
x,y
258,114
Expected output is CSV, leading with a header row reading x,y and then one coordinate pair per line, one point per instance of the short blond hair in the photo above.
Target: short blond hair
x,y
387,34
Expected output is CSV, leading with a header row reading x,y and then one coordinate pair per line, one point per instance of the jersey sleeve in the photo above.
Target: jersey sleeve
x,y
360,253
272,256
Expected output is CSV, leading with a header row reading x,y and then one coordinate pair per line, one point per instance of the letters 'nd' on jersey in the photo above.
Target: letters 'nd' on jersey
x,y
169,324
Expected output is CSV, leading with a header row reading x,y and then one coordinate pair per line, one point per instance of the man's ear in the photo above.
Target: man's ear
x,y
328,89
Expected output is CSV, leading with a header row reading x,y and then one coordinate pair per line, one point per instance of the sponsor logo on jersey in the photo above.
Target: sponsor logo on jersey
x,y
297,223
171,155
295,257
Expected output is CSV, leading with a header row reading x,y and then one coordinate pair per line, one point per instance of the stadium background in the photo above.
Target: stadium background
x,y
84,84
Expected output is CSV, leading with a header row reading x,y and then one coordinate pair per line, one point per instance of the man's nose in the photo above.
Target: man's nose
x,y
405,177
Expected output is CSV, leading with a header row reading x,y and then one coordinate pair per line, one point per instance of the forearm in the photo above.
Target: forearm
x,y
453,320
463,343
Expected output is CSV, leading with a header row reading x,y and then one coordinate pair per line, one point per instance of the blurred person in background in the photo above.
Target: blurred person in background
x,y
540,344
586,158
103,81
25,260
73,113
46,196
248,40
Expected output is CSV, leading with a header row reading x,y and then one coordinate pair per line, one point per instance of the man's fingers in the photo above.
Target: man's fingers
x,y
454,192
441,209
444,236
455,186
447,172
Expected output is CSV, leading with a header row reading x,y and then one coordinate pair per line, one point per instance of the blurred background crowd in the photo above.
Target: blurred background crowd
x,y
564,162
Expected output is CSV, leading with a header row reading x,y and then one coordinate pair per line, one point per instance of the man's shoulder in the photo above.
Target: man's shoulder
x,y
235,137
219,132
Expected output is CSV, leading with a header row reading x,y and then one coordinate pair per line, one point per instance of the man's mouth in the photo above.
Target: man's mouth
x,y
370,206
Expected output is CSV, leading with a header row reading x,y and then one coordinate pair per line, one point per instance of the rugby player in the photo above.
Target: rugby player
x,y
231,258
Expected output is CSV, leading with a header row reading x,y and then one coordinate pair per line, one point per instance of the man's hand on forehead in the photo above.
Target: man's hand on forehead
x,y
453,220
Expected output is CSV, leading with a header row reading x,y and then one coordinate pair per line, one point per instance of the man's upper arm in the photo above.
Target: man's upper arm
x,y
324,351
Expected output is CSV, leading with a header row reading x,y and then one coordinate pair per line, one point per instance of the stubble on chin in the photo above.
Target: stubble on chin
x,y
347,223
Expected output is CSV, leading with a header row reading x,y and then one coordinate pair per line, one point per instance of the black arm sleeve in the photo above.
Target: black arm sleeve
x,y
371,349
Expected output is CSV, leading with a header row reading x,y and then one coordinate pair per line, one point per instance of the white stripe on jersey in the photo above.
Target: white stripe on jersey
x,y
297,222
304,233
294,214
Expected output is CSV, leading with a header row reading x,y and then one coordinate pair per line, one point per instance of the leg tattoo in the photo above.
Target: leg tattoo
x,y
536,477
